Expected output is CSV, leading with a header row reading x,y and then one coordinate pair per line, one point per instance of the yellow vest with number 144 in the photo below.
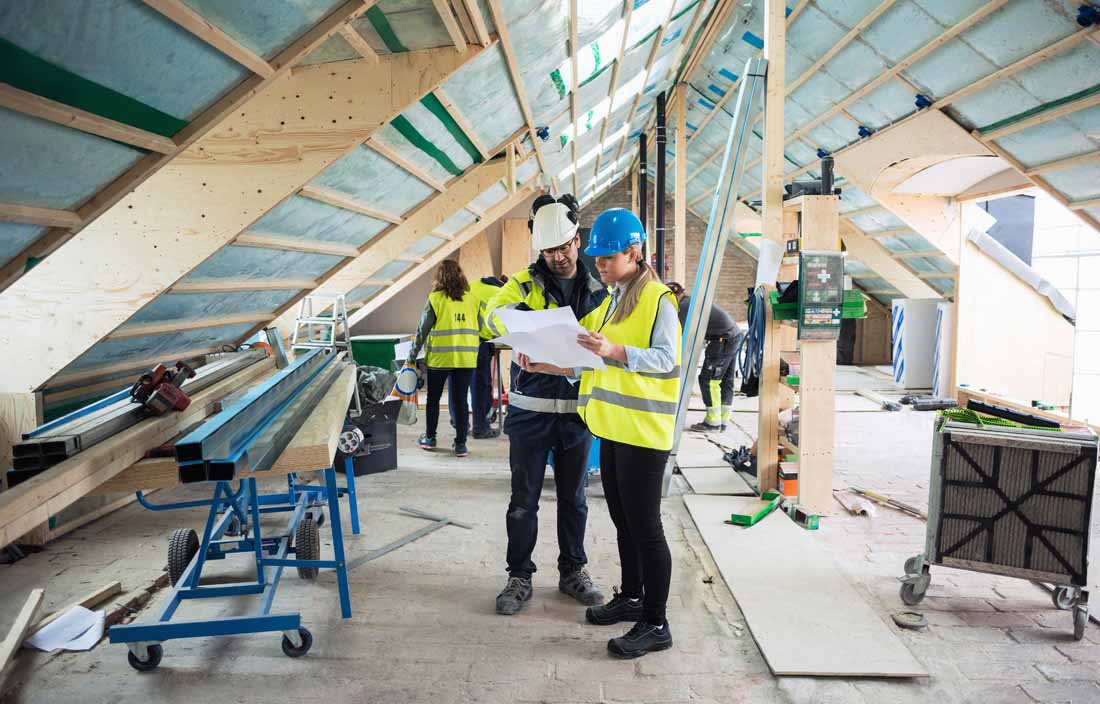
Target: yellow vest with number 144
x,y
453,341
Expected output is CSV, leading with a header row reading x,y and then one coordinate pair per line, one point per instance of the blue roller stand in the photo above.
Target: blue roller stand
x,y
233,526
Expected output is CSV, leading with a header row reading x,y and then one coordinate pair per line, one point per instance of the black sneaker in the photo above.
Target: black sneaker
x,y
487,434
460,449
643,638
516,593
620,608
705,427
579,586
426,442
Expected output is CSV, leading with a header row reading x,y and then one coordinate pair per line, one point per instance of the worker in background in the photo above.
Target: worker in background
x,y
631,407
542,411
481,391
716,378
448,327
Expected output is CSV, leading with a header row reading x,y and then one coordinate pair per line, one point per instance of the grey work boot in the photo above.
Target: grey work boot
x,y
516,593
579,586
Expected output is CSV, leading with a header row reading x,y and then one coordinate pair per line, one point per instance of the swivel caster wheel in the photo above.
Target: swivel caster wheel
x,y
912,565
1065,598
297,651
1080,620
155,653
911,594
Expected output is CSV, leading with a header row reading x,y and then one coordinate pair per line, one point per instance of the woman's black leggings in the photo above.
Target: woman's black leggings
x,y
632,478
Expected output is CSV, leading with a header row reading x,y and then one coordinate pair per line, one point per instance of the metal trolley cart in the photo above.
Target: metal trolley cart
x,y
1012,501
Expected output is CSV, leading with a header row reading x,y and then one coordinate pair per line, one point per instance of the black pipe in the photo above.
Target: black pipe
x,y
643,185
659,199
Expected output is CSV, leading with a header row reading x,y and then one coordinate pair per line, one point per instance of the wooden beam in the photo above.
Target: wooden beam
x,y
934,275
896,232
235,285
517,81
18,632
295,244
181,14
88,601
251,164
141,363
358,43
221,112
679,248
407,165
1067,163
511,156
911,255
463,123
450,24
34,501
882,263
1041,118
346,202
478,21
843,42
628,14
10,212
465,235
45,109
406,258
136,330
1082,204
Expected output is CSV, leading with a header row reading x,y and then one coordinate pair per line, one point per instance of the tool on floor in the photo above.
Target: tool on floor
x,y
160,390
910,620
750,519
892,503
875,398
927,403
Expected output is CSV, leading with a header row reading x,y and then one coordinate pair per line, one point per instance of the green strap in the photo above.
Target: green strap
x,y
436,108
385,30
25,71
1040,109
402,125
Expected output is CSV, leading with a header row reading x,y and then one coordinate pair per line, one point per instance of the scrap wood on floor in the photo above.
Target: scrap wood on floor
x,y
804,615
18,632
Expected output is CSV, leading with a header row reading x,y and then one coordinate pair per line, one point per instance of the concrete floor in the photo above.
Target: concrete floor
x,y
424,629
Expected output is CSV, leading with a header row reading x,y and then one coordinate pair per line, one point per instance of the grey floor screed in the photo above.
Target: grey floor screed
x,y
424,629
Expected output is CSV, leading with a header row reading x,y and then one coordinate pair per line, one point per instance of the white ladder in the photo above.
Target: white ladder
x,y
312,330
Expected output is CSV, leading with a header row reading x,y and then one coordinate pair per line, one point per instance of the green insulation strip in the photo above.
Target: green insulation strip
x,y
27,72
385,30
436,108
402,125
595,75
555,76
1026,114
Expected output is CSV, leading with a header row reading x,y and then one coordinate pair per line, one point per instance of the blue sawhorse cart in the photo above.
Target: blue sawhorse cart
x,y
233,526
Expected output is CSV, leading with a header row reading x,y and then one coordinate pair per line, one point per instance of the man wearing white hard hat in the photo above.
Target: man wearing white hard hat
x,y
542,411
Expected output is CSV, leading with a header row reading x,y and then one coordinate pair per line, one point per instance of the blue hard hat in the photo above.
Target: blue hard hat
x,y
614,231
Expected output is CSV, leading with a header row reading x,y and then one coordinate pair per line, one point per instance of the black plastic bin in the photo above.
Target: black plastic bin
x,y
378,452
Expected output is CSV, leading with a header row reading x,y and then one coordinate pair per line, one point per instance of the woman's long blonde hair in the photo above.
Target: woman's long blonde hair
x,y
450,279
632,289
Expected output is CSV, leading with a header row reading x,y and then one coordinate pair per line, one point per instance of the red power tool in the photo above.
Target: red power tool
x,y
159,390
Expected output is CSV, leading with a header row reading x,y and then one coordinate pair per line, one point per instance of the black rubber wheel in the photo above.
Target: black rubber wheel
x,y
233,529
307,643
182,547
1064,598
911,565
1080,620
307,546
319,517
910,596
156,652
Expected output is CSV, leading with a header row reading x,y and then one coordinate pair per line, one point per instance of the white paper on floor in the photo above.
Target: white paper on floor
x,y
77,629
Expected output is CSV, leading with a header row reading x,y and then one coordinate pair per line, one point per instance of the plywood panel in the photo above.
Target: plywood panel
x,y
804,615
719,481
474,258
515,246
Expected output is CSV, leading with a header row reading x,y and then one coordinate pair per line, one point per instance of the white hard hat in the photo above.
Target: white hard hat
x,y
552,226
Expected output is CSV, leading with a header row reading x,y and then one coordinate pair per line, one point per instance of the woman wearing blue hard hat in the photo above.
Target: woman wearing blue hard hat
x,y
631,406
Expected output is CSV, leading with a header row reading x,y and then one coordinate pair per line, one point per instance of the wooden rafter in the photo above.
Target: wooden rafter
x,y
1082,204
463,123
358,43
481,30
221,110
628,14
346,202
295,244
181,14
517,82
1040,118
405,164
450,23
43,108
235,285
135,330
1059,164
10,212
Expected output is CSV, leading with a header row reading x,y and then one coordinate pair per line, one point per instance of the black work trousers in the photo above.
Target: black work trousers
x,y
717,373
632,478
481,391
460,409
528,462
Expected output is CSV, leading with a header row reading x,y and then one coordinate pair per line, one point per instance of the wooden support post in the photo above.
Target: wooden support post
x,y
775,38
679,247
817,381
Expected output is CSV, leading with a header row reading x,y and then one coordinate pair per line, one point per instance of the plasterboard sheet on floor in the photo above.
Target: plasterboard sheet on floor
x,y
803,614
716,481
698,452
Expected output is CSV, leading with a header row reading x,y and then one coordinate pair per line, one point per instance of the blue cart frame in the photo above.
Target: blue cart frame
x,y
238,512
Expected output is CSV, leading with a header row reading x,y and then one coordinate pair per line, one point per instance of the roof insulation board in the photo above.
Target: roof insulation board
x,y
373,180
192,306
264,26
111,351
306,218
15,237
237,262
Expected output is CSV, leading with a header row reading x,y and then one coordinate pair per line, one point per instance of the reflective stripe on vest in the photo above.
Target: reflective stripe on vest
x,y
542,405
452,342
632,407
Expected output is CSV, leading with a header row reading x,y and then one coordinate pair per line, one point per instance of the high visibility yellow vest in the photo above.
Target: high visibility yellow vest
x,y
636,408
453,341
484,293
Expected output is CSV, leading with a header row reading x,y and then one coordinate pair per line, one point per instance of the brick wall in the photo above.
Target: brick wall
x,y
738,268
